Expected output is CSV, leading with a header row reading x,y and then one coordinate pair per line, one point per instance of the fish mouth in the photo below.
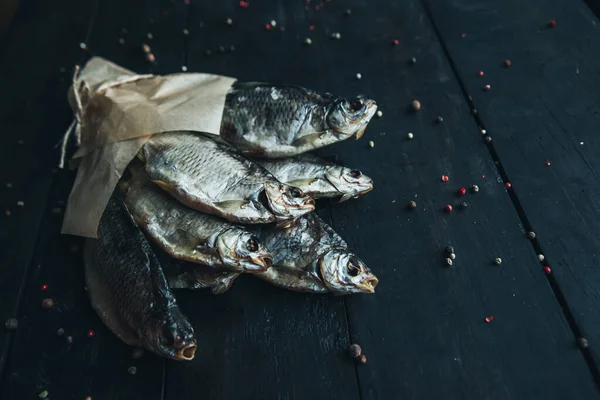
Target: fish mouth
x,y
368,285
187,352
364,121
257,264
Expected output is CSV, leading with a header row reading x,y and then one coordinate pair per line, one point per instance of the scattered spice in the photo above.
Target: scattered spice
x,y
359,76
464,205
137,353
83,46
462,191
449,249
362,359
43,394
229,21
416,105
452,256
498,261
582,343
410,135
70,339
547,270
412,204
507,185
336,36
132,370
413,60
489,319
475,188
183,68
121,41
439,120
487,88
395,42
11,324
244,4
488,139
547,163
552,23
483,131
448,208
186,32
91,333
371,144
273,23
308,41
480,73
44,287
60,332
150,58
47,303
88,398
541,257
379,113
449,261
268,27
20,203
445,178
507,63
531,235
311,28
146,48
355,351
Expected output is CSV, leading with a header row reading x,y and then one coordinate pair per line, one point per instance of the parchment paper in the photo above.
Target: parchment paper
x,y
118,111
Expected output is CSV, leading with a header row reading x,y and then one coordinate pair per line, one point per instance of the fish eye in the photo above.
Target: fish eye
x,y
357,104
252,244
353,270
295,192
355,173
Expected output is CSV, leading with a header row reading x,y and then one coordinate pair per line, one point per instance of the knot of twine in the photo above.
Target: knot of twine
x,y
77,122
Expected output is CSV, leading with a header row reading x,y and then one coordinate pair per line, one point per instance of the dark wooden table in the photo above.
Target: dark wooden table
x,y
425,330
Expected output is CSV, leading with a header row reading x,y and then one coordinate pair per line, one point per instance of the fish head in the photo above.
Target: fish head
x,y
288,201
349,117
344,273
242,251
170,335
349,182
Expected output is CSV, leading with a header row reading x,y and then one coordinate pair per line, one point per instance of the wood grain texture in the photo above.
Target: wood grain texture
x,y
37,55
544,108
424,331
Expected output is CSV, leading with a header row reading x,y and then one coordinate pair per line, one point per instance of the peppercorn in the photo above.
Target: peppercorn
x,y
186,32
348,11
146,48
70,339
412,204
552,23
121,41
379,113
507,63
507,185
11,324
416,105
483,131
150,58
489,319
43,394
449,262
413,60
462,191
359,76
498,260
480,73
439,120
47,303
362,359
395,42
355,351
547,269
371,144
221,49
541,257
452,256
448,208
582,342
488,139
60,332
445,178
449,249
475,188
487,88
308,41
410,136
229,21
531,235
464,205
132,370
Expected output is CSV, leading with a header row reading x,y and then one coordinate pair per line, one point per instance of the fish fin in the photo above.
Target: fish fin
x,y
164,185
360,133
307,139
345,197
224,284
231,205
302,183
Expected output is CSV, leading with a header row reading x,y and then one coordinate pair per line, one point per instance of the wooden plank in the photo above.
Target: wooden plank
x,y
424,331
544,108
257,341
97,366
33,116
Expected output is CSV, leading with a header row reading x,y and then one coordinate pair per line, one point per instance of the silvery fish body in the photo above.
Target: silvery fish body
x,y
317,177
309,256
128,289
190,235
210,176
264,120
194,276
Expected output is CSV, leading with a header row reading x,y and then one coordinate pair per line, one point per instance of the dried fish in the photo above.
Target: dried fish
x,y
208,175
309,256
318,178
128,290
194,276
191,235
264,120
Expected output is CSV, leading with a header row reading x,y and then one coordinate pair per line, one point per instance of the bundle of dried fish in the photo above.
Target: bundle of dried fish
x,y
210,176
190,235
264,120
309,256
128,290
318,178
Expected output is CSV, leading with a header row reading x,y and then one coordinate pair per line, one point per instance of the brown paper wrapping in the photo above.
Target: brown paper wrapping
x,y
117,112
